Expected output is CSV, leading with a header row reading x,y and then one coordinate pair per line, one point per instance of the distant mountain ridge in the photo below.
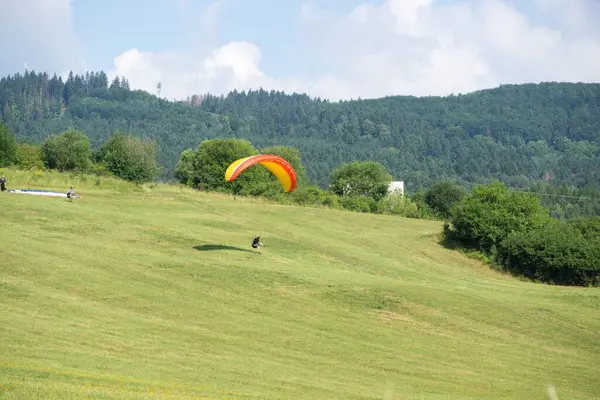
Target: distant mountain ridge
x,y
519,134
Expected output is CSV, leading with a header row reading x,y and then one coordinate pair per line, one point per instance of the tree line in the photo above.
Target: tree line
x,y
516,234
122,155
134,159
518,134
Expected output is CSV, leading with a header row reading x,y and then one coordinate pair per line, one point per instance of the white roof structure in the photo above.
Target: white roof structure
x,y
396,187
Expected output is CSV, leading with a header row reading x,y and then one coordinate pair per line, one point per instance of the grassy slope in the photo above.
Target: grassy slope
x,y
120,295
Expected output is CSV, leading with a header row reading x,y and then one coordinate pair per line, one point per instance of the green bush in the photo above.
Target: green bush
x,y
365,204
442,196
205,168
589,227
68,151
331,200
485,217
185,170
8,147
518,234
558,254
307,196
313,196
424,211
398,204
130,158
99,169
358,179
29,157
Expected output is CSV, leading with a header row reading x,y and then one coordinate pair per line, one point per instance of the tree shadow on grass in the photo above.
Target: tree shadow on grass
x,y
211,247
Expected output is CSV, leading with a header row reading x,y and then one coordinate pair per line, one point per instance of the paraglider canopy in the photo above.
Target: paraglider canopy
x,y
278,166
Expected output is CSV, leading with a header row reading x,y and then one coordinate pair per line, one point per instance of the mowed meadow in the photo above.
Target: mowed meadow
x,y
153,292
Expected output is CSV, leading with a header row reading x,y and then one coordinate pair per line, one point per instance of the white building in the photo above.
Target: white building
x,y
396,187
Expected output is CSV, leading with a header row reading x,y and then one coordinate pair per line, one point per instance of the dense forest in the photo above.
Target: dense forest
x,y
518,134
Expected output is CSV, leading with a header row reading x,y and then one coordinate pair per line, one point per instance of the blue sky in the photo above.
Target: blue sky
x,y
162,25
327,48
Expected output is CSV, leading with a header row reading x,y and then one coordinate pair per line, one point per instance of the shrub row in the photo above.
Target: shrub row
x,y
518,235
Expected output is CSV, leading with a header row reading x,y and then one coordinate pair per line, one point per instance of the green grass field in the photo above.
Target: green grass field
x,y
153,293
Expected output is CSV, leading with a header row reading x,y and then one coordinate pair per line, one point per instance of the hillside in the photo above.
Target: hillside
x,y
519,134
152,292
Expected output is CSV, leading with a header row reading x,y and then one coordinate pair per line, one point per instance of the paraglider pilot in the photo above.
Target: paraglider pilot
x,y
3,183
256,243
70,193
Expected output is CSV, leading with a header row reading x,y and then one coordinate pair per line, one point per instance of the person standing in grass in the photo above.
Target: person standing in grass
x,y
3,183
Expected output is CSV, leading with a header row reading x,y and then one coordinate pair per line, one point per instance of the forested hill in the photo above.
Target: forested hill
x,y
518,134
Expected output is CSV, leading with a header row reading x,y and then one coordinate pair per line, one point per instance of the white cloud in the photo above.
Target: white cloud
x,y
424,47
416,47
39,33
235,65
198,70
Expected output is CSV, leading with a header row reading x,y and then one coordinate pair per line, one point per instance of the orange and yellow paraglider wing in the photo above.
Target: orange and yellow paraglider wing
x,y
278,166
237,167
283,172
